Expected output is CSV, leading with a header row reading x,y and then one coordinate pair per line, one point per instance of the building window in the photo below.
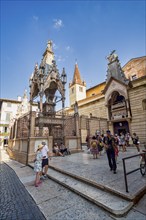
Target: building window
x,y
134,77
6,129
80,89
7,116
93,94
72,90
144,104
8,104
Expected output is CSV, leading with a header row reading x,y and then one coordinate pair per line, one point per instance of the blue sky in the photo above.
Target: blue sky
x,y
86,31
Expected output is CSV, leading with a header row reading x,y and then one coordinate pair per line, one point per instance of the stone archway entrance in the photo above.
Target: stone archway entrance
x,y
117,106
121,126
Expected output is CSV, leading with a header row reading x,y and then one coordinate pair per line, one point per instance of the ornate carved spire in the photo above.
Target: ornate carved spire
x,y
48,55
114,68
25,94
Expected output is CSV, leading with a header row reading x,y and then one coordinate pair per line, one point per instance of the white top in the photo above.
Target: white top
x,y
45,151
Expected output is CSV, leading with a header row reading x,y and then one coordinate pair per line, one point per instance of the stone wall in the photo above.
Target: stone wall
x,y
91,125
97,108
136,67
97,124
138,124
73,143
17,150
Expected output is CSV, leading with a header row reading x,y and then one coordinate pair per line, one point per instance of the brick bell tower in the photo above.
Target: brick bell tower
x,y
77,88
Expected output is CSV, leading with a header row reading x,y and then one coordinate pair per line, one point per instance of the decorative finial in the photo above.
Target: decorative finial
x,y
49,45
25,93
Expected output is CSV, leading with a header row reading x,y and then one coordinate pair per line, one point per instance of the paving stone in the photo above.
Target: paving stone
x,y
77,208
132,215
16,203
78,212
106,200
83,165
141,206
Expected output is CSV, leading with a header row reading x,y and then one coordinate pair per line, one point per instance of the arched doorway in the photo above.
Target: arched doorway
x,y
117,107
121,126
118,113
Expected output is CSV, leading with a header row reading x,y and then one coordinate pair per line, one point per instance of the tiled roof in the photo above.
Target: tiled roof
x,y
77,77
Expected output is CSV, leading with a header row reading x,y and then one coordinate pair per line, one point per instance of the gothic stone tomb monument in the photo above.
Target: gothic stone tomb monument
x,y
32,128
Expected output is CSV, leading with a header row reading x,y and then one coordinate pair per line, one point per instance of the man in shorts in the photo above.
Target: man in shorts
x,y
45,160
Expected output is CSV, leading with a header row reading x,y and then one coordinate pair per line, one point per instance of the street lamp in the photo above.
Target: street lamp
x,y
63,80
63,77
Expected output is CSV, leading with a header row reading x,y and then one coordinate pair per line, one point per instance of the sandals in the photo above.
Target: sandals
x,y
37,184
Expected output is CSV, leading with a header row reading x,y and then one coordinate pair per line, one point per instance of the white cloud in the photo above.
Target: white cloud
x,y
60,59
58,23
35,18
67,48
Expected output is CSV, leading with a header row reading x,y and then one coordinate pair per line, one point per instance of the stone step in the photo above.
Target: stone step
x,y
106,200
95,184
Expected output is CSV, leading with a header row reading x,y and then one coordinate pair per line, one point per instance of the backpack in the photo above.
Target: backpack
x,y
135,140
94,144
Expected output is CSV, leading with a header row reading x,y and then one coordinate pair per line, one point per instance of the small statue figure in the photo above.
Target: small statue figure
x,y
112,57
76,107
49,45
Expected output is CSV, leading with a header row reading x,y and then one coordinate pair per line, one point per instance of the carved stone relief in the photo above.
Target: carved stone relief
x,y
115,86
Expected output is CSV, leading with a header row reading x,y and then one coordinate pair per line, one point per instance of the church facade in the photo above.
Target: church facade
x,y
120,100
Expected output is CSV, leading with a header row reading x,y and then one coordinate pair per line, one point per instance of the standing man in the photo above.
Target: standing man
x,y
136,142
45,160
109,143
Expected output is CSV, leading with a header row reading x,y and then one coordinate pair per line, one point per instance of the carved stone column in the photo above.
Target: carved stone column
x,y
41,102
15,130
77,124
128,108
50,143
40,130
50,128
32,126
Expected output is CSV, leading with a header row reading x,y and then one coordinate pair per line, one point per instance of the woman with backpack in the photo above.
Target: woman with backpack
x,y
94,147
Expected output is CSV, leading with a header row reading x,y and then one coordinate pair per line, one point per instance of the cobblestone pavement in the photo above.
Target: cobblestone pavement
x,y
15,201
54,200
